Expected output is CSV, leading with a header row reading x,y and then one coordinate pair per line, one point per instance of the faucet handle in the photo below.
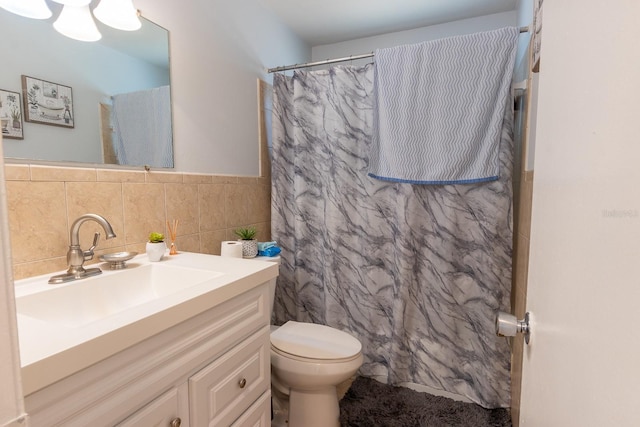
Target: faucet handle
x,y
88,254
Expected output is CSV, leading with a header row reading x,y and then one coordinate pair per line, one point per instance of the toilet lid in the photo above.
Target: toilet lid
x,y
313,341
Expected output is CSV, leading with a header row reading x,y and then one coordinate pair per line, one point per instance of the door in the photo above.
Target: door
x,y
582,367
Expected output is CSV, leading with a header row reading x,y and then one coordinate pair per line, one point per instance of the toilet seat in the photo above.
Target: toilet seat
x,y
305,341
311,359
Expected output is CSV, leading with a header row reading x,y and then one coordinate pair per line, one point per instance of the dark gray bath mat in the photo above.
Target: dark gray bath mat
x,y
369,403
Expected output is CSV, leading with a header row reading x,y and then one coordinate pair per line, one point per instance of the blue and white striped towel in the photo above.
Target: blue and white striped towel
x,y
439,107
142,127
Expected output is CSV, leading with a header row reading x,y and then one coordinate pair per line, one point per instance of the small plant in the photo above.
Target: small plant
x,y
156,237
245,233
15,113
32,95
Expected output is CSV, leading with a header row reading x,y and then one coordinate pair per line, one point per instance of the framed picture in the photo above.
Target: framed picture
x,y
11,115
47,103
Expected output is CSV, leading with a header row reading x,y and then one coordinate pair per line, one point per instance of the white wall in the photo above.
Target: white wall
x,y
369,44
218,50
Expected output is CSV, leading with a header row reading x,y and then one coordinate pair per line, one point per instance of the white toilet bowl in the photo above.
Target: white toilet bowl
x,y
309,361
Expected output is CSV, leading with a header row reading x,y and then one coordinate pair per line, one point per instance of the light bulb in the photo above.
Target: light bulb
x,y
73,2
36,9
119,14
77,23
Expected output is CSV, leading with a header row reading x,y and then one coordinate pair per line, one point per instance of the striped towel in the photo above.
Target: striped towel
x,y
439,106
142,127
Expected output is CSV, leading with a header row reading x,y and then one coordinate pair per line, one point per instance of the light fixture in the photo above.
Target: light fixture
x,y
73,2
36,9
77,23
119,14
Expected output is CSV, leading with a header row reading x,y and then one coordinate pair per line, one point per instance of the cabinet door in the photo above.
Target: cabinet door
x,y
258,415
227,387
161,412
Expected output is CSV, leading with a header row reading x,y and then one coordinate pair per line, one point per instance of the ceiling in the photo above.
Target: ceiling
x,y
320,22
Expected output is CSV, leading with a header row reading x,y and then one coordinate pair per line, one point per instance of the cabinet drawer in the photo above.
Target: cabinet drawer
x,y
161,412
258,415
219,393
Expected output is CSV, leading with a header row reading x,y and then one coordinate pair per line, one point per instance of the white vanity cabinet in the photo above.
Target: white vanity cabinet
x,y
211,370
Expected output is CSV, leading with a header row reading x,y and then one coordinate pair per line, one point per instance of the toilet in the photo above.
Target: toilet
x,y
308,361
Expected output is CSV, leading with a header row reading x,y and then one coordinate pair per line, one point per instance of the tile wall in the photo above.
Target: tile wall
x,y
43,202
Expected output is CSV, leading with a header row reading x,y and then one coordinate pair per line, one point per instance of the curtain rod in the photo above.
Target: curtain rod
x,y
332,61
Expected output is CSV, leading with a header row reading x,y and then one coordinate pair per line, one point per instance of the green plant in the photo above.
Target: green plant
x,y
15,113
156,237
33,95
245,233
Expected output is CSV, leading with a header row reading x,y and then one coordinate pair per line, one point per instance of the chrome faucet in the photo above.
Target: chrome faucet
x,y
76,256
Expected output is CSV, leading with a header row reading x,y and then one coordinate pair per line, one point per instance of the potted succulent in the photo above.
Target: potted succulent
x,y
156,246
15,115
249,243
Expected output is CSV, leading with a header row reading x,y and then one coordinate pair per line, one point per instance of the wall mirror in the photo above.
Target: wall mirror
x,y
120,89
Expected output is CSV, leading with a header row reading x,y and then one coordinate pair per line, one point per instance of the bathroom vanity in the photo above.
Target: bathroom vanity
x,y
194,354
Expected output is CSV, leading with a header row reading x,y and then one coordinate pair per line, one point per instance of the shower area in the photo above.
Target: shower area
x,y
415,267
136,128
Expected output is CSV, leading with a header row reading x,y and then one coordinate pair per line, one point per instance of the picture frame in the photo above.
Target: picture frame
x,y
11,115
47,103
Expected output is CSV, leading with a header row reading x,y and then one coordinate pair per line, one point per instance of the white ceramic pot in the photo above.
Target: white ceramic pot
x,y
155,251
249,248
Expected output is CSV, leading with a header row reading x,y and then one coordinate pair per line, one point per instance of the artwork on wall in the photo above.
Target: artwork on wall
x,y
11,115
47,103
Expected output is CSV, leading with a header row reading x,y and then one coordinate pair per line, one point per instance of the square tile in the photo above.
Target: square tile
x,y
182,205
101,198
144,211
212,207
37,220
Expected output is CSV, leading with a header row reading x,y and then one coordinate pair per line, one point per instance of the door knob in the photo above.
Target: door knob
x,y
508,325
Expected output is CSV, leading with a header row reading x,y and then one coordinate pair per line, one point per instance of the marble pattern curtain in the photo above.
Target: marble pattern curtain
x,y
415,272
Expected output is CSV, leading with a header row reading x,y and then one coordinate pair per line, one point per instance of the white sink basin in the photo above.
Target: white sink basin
x,y
67,327
82,302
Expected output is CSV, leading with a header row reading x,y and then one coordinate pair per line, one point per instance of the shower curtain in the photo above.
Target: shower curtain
x,y
142,131
415,272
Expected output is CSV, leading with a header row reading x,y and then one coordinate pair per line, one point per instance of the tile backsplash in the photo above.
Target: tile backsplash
x,y
43,202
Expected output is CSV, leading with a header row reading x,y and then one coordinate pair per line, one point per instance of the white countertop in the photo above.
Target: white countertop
x,y
52,351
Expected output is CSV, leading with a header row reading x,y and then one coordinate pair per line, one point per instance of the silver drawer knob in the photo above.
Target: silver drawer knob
x,y
242,383
176,422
